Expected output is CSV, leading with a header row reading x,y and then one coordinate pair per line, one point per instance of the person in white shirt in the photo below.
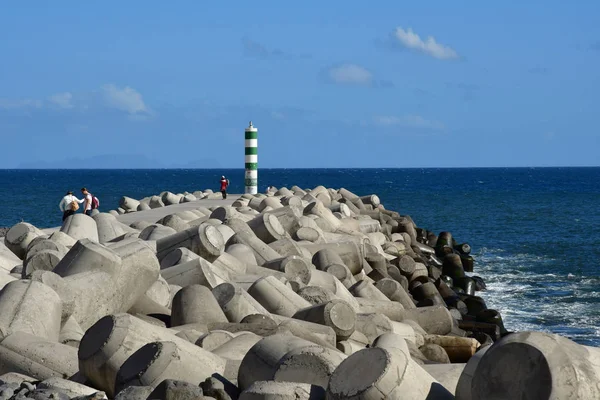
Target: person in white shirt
x,y
66,204
87,206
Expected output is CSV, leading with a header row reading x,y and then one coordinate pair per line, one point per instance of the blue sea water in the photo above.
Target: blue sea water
x,y
535,232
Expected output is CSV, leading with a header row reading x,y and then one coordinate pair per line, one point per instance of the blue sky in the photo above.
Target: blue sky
x,y
328,84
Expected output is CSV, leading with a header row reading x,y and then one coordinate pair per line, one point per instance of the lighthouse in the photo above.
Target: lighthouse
x,y
251,160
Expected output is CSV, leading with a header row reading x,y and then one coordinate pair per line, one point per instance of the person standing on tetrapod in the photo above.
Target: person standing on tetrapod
x,y
69,205
224,185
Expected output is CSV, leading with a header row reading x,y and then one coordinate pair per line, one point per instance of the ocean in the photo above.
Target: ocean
x,y
535,232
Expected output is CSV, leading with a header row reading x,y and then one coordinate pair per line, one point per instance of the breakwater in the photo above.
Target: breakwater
x,y
291,293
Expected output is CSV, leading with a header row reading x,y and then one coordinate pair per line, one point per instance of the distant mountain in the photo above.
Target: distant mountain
x,y
202,163
116,161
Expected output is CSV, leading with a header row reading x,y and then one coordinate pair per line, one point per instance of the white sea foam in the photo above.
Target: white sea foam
x,y
531,300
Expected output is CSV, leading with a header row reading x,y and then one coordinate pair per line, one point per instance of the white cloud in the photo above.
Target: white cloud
x,y
11,104
411,40
351,74
62,100
408,121
126,99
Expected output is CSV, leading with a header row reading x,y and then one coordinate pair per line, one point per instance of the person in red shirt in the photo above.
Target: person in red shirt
x,y
224,185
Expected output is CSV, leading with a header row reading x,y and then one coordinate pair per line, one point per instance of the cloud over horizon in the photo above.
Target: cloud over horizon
x,y
62,100
412,41
126,99
350,74
12,104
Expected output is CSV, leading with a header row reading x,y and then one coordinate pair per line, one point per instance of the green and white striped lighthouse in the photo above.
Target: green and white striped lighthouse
x,y
251,174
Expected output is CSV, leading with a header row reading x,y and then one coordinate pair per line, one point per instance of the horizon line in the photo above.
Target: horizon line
x,y
286,168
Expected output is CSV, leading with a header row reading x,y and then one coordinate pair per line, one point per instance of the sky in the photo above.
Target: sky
x,y
328,84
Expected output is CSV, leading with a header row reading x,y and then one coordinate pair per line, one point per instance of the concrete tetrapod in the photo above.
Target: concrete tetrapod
x,y
8,260
315,294
232,264
367,290
37,357
195,272
242,253
236,303
177,256
46,244
295,268
213,339
320,334
5,279
159,292
195,303
70,388
205,240
390,309
262,251
128,203
459,349
80,226
288,217
70,333
290,359
62,238
174,221
342,273
373,325
271,390
435,320
19,237
157,361
538,365
267,228
109,228
464,384
351,254
156,232
173,389
45,260
446,374
59,285
132,277
276,297
305,233
395,292
379,373
317,208
87,256
336,314
30,307
237,347
110,341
